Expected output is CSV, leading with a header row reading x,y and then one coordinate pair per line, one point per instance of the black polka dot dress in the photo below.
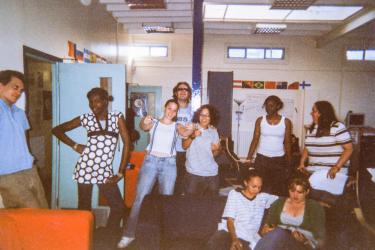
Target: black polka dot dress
x,y
95,163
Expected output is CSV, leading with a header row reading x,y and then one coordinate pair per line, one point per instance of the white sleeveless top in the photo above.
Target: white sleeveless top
x,y
271,142
163,140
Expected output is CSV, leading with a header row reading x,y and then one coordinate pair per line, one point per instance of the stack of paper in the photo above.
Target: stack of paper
x,y
319,180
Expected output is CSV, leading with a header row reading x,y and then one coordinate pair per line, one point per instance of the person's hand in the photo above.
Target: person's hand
x,y
267,228
215,146
148,120
332,172
190,126
113,179
79,148
236,245
299,236
197,133
301,168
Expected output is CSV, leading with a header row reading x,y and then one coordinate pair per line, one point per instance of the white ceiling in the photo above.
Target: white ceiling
x,y
178,13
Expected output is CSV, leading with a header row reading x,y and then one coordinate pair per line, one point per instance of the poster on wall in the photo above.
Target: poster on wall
x,y
139,103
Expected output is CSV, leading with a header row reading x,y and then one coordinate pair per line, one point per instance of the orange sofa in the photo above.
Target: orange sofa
x,y
44,229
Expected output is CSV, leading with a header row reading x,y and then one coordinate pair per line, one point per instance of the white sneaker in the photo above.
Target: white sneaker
x,y
124,242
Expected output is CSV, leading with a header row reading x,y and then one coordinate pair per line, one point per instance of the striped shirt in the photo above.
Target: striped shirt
x,y
326,150
246,213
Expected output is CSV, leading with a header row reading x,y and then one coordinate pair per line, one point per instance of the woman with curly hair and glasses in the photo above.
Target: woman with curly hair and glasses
x,y
201,168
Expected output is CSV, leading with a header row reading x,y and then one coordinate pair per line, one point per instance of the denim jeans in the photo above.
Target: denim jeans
x,y
280,239
201,185
161,169
222,240
181,171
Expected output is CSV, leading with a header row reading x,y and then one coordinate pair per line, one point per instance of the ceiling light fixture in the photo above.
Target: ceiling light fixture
x,y
292,4
269,28
158,29
146,4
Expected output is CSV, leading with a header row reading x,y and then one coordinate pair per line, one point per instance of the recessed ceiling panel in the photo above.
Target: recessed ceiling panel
x,y
214,11
251,12
327,13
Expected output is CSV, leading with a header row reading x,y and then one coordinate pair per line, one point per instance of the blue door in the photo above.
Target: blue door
x,y
71,82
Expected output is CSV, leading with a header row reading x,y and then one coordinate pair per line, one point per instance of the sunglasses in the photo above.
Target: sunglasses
x,y
182,89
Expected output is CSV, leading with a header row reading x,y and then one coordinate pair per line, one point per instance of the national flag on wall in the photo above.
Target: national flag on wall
x,y
270,85
282,85
79,56
293,85
247,84
237,84
86,55
258,85
71,49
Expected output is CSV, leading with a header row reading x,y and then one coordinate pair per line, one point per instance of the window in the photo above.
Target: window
x,y
147,51
256,53
360,54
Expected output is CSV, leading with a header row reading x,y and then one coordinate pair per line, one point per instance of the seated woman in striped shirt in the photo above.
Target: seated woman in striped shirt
x,y
328,147
242,216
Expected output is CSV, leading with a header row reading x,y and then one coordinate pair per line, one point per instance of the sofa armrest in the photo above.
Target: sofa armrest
x,y
46,229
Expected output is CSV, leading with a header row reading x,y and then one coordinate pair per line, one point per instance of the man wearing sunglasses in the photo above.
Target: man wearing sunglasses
x,y
182,94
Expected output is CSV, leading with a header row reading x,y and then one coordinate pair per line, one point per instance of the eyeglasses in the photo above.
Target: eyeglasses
x,y
204,115
182,89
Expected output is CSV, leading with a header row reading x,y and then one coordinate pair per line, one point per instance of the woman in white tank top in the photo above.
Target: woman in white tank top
x,y
272,140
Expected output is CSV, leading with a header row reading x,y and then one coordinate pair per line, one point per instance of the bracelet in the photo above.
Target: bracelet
x,y
75,146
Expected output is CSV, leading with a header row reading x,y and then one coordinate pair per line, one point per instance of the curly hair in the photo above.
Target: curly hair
x,y
326,120
214,114
175,90
102,93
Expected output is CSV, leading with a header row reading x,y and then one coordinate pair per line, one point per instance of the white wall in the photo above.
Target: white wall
x,y
47,25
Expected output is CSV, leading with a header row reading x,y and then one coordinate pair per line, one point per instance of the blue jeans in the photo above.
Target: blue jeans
x,y
280,239
201,185
161,169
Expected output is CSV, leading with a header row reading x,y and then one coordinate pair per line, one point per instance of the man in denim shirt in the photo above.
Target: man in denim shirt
x,y
20,185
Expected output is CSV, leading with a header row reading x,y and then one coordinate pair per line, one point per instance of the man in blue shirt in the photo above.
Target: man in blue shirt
x,y
20,185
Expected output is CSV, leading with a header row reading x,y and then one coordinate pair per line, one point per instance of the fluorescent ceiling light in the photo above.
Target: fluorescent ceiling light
x,y
292,4
269,28
330,13
158,29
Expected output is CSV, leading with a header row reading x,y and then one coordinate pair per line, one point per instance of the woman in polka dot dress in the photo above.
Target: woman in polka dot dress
x,y
95,163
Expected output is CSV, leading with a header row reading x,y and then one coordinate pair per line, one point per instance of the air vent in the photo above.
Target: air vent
x,y
146,4
269,28
292,4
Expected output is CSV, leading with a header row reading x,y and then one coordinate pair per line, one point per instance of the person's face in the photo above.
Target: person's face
x,y
12,91
98,105
182,92
204,118
298,193
315,114
170,111
254,185
271,107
